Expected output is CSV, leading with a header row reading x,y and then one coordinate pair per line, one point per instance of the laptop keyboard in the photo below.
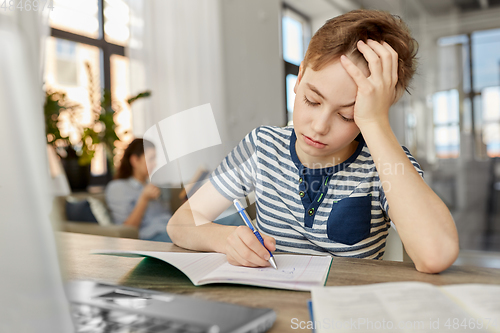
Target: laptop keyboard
x,y
93,319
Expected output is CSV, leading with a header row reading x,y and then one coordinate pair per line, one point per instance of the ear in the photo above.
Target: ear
x,y
299,77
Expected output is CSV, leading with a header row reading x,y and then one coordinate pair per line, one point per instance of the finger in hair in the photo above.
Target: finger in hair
x,y
395,62
386,58
353,71
373,59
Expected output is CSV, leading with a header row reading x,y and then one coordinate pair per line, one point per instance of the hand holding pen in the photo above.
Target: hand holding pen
x,y
244,247
249,224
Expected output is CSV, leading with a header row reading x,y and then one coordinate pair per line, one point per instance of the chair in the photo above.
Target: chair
x,y
394,249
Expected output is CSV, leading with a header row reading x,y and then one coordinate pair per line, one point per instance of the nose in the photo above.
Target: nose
x,y
321,123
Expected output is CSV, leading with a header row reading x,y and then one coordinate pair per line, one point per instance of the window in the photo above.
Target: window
x,y
486,83
120,84
296,34
491,120
93,32
65,70
446,124
477,90
80,17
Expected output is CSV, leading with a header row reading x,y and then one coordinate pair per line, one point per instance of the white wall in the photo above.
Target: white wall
x,y
253,65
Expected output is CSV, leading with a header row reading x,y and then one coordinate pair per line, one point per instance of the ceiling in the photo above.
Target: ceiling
x,y
434,7
314,8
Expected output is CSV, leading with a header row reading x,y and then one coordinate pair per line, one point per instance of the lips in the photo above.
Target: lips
x,y
315,140
313,143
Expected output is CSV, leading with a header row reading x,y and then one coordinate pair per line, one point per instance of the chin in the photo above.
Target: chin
x,y
314,152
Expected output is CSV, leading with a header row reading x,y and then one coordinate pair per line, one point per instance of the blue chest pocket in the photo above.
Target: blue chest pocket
x,y
350,220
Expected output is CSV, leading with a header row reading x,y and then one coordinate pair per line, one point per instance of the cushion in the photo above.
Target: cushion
x,y
100,211
79,210
87,210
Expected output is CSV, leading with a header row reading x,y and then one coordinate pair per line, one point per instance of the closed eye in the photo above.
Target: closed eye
x,y
346,119
313,104
308,102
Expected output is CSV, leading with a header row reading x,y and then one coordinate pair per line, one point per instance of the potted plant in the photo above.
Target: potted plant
x,y
57,103
77,156
103,126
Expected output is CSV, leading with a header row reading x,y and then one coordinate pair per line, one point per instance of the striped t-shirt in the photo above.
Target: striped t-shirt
x,y
348,217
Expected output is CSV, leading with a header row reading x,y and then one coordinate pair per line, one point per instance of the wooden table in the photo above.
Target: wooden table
x,y
78,263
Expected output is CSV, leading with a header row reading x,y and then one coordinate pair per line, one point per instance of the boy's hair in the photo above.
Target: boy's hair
x,y
340,35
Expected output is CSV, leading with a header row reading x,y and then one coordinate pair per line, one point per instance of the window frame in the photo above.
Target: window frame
x,y
106,49
290,68
448,124
480,149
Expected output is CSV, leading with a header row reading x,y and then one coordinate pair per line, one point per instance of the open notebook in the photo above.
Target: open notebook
x,y
406,307
295,272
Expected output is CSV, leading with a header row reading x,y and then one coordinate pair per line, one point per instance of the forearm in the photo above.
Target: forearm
x,y
200,236
135,218
423,221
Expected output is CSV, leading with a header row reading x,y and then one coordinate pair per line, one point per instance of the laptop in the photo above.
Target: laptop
x,y
33,297
98,307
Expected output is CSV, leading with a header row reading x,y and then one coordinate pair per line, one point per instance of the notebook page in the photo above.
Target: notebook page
x,y
397,306
481,300
194,265
292,269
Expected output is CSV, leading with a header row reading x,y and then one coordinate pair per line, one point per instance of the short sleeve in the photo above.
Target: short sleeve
x,y
235,176
383,201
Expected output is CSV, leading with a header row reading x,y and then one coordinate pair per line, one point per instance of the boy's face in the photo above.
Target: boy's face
x,y
323,115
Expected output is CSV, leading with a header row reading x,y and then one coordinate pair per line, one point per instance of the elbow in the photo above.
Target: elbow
x,y
438,260
441,251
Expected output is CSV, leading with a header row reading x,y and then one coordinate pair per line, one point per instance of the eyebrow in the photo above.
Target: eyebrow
x,y
314,89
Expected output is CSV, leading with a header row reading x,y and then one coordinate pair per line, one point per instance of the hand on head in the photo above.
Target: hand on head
x,y
377,92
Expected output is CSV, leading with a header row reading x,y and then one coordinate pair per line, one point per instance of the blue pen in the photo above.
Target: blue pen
x,y
247,221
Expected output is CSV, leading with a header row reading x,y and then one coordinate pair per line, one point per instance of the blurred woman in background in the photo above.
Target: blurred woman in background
x,y
130,197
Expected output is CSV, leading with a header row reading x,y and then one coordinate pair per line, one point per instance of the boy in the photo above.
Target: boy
x,y
333,182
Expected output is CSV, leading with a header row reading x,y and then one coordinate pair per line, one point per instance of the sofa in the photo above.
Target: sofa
x,y
61,222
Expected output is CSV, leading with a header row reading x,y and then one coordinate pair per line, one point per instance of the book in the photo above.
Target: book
x,y
405,307
295,272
